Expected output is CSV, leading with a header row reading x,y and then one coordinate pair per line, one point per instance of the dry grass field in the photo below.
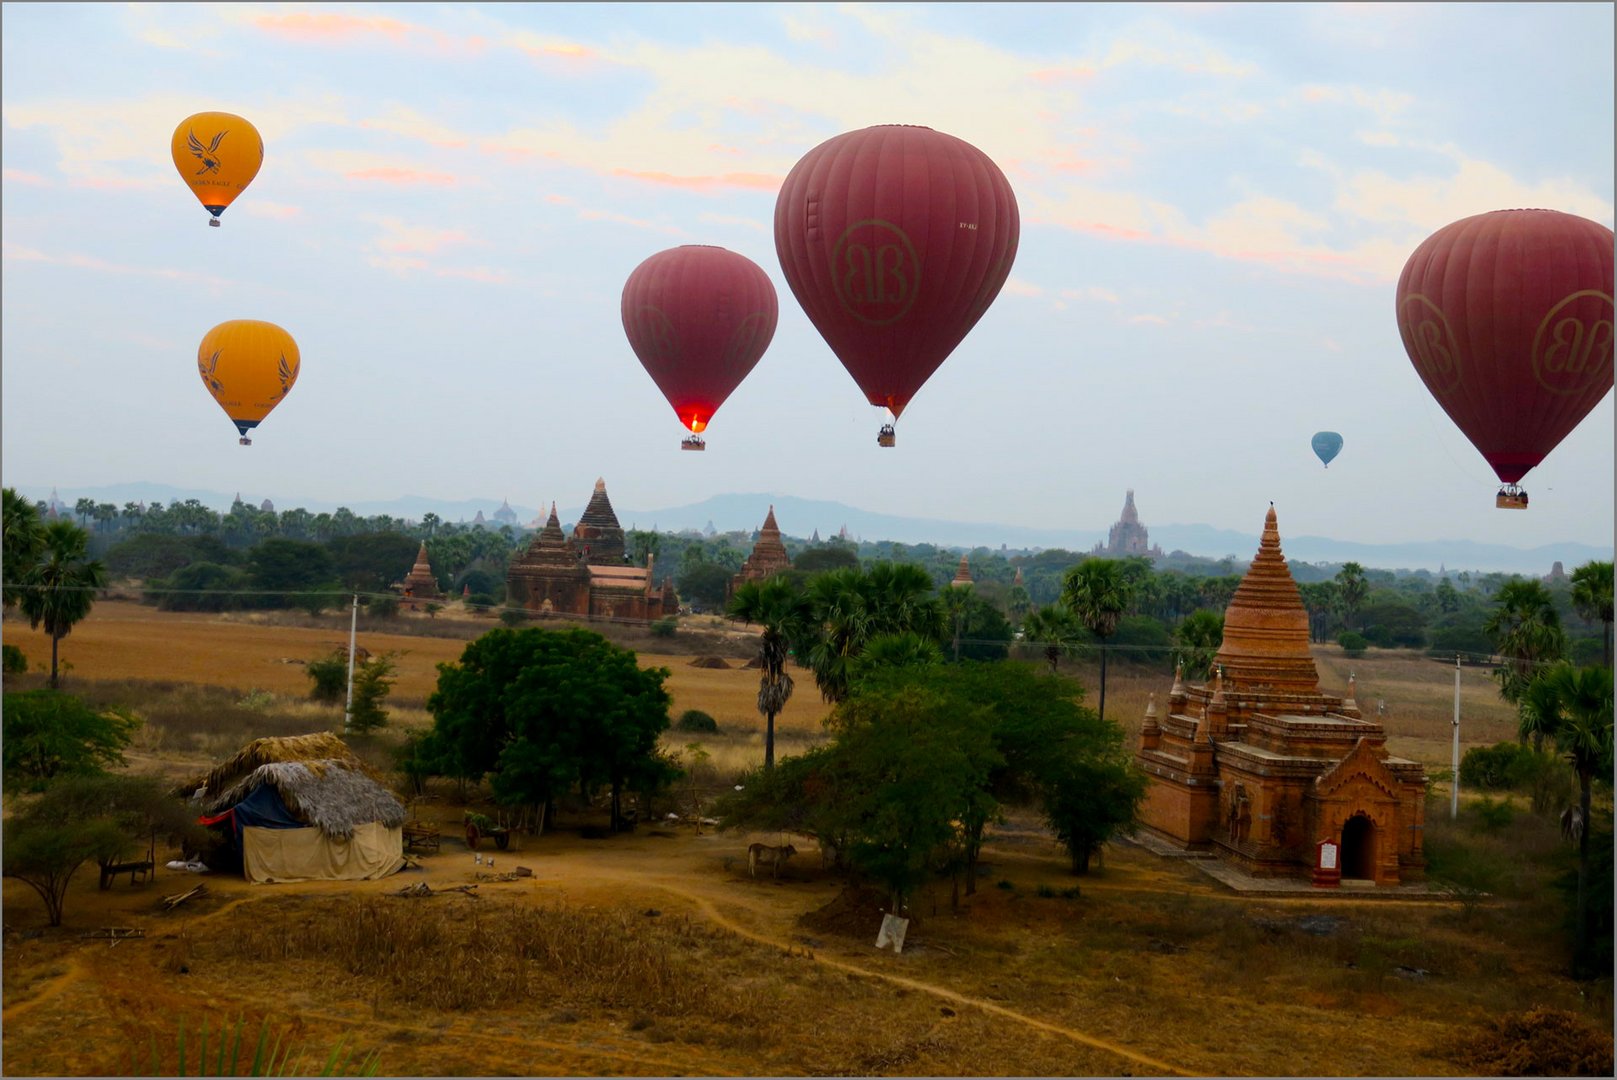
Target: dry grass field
x,y
653,953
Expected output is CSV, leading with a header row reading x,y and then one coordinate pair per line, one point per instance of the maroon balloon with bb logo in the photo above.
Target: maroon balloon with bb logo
x,y
1507,317
895,240
699,318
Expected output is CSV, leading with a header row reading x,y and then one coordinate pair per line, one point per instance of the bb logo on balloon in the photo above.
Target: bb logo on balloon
x,y
1431,342
1572,348
876,272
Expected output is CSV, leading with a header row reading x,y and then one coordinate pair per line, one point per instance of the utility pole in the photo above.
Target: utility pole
x,y
348,709
1454,796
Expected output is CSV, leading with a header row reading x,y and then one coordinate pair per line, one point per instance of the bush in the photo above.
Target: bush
x,y
330,675
12,660
1353,644
513,617
480,602
696,720
1493,768
1538,1042
664,628
1495,814
383,607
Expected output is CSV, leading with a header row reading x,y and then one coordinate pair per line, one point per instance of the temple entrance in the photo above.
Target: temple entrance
x,y
1359,848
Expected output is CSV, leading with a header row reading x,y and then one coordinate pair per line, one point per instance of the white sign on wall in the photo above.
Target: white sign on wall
x,y
1327,856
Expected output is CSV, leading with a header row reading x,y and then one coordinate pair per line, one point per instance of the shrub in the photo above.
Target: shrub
x,y
12,660
513,617
1538,1042
696,720
1490,768
1353,644
479,602
383,607
1495,814
330,675
664,628
373,681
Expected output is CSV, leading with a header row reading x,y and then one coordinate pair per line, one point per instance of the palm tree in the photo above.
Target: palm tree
x,y
1352,588
1200,636
1053,627
1573,706
782,611
1526,630
1098,594
23,536
1591,597
59,589
849,607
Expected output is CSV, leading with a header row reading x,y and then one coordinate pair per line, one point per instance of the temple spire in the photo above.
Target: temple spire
x,y
1266,626
962,576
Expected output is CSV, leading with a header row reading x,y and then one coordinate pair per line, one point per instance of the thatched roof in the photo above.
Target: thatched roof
x,y
332,795
321,746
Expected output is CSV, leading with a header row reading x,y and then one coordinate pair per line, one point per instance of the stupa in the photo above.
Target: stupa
x,y
1260,767
598,534
962,576
419,583
768,556
585,575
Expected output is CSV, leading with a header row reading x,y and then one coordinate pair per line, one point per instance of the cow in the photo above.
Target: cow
x,y
771,857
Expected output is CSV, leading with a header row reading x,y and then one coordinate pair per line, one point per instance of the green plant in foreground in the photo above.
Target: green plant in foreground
x,y
267,1059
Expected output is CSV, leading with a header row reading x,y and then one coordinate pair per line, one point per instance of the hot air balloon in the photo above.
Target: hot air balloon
x,y
1507,317
1327,444
699,318
217,154
895,240
248,366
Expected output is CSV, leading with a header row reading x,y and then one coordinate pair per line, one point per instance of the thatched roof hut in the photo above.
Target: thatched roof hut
x,y
331,795
320,746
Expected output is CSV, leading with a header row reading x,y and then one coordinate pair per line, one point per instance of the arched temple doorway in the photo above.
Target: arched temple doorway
x,y
1359,848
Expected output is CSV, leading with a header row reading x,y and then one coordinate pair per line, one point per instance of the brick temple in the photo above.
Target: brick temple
x,y
419,583
1259,766
1127,535
768,556
587,574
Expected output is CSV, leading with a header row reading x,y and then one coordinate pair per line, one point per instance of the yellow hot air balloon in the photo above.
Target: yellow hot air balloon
x,y
217,154
248,366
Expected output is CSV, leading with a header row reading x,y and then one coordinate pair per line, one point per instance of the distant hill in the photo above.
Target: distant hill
x,y
802,517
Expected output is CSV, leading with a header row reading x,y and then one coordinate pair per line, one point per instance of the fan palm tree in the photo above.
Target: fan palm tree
x,y
849,607
1591,597
1200,636
1053,628
1573,707
1352,589
1097,593
782,611
23,535
59,589
1526,630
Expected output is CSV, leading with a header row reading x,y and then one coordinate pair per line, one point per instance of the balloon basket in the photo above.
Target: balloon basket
x,y
886,436
245,441
693,442
214,222
1510,497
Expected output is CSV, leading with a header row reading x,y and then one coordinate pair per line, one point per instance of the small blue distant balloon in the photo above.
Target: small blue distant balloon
x,y
1327,444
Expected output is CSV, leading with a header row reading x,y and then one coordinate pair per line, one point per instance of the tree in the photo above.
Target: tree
x,y
1199,637
24,537
850,607
46,735
542,710
834,556
1573,707
80,818
279,567
1352,588
58,590
1592,598
1054,629
704,583
373,680
1526,631
1097,593
782,613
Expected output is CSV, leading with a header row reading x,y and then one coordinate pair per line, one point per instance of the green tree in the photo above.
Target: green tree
x,y
1351,589
781,612
1097,593
1526,631
58,590
1053,629
542,710
1199,638
200,586
1573,707
373,681
850,607
23,538
370,562
1592,598
704,584
48,734
834,556
83,818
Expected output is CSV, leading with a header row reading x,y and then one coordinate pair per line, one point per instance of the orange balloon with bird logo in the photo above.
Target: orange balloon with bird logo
x,y
248,366
217,154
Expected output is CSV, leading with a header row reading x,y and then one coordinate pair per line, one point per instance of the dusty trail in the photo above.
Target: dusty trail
x,y
709,911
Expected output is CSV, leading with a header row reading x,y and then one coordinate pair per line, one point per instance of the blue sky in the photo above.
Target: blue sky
x,y
1216,200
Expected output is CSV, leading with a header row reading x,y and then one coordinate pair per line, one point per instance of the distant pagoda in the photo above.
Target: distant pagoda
x,y
419,583
768,556
1128,536
962,576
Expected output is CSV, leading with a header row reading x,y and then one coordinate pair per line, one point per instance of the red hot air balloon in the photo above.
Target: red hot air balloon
x,y
895,240
1507,317
699,318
